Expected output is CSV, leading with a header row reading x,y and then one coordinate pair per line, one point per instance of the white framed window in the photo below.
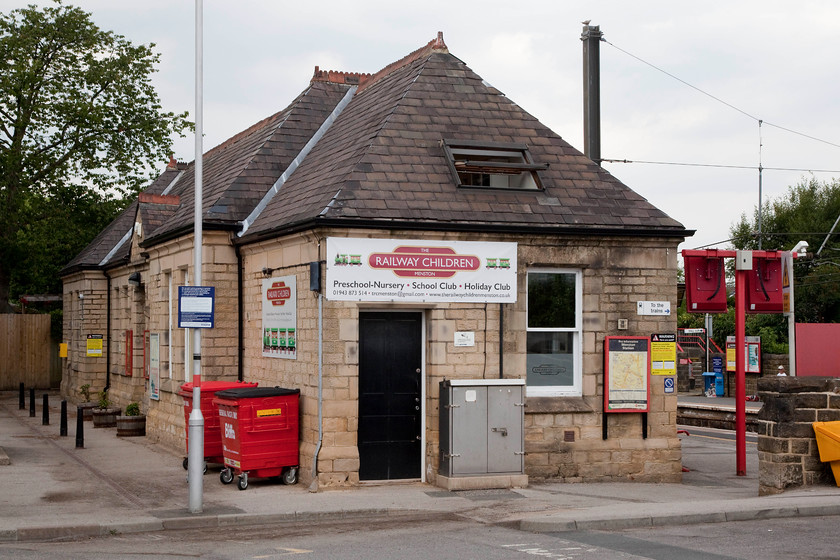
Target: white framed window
x,y
554,324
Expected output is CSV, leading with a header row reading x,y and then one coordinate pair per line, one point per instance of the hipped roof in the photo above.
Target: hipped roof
x,y
380,163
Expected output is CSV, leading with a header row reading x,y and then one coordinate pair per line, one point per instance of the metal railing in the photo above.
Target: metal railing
x,y
693,339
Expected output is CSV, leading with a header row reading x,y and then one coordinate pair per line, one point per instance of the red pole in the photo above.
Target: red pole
x,y
740,378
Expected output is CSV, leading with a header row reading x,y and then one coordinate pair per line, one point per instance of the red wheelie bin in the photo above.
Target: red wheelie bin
x,y
212,441
259,433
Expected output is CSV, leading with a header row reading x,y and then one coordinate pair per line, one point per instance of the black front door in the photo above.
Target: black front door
x,y
389,395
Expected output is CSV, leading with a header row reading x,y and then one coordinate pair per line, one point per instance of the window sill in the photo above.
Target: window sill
x,y
556,405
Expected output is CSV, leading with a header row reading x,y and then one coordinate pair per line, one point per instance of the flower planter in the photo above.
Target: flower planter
x,y
131,426
87,410
105,417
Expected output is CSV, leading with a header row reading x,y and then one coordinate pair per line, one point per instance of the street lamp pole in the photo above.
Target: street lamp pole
x,y
196,423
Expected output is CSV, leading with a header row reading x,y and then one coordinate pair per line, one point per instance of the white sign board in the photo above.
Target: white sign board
x,y
196,307
464,338
653,308
418,270
279,317
154,366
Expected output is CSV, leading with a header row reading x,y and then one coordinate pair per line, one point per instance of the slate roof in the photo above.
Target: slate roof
x,y
381,164
108,242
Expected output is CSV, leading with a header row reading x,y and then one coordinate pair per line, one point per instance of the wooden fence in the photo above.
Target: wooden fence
x,y
26,352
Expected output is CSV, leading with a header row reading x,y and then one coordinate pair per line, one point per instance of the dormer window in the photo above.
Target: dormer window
x,y
492,165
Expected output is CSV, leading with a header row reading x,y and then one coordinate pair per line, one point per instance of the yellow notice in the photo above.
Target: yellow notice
x,y
270,412
730,357
663,358
94,345
663,354
62,350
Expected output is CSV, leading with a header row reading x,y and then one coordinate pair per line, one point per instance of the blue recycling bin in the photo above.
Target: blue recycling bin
x,y
719,384
708,380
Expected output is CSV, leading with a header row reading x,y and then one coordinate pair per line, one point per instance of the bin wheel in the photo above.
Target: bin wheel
x,y
186,465
242,483
290,476
226,476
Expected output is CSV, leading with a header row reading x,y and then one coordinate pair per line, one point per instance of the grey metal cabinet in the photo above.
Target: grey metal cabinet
x,y
482,427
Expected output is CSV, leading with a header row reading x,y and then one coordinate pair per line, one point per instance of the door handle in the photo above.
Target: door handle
x,y
502,431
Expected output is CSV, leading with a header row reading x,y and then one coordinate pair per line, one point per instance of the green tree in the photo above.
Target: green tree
x,y
807,212
81,128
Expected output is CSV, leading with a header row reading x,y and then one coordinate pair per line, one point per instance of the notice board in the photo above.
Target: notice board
x,y
626,374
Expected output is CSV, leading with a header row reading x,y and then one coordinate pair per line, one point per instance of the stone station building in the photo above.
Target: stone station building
x,y
422,157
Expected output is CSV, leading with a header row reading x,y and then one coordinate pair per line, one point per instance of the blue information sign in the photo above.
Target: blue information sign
x,y
196,305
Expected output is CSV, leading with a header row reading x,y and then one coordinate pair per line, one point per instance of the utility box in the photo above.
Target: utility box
x,y
482,434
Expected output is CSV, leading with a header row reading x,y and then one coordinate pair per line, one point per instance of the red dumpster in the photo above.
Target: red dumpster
x,y
259,432
212,441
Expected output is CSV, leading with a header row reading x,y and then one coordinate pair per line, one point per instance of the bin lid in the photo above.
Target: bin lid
x,y
208,387
255,392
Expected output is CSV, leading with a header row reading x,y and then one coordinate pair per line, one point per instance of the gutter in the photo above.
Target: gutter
x,y
313,223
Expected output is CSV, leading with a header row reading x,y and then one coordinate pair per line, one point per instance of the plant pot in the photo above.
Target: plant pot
x,y
105,417
87,410
130,426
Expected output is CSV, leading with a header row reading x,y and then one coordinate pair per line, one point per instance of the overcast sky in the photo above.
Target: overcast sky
x,y
768,60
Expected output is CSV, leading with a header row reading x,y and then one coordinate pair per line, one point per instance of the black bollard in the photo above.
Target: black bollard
x,y
32,403
22,400
62,426
45,412
80,428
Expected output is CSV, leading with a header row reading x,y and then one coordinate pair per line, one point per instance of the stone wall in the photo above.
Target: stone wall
x,y
151,308
787,449
85,297
770,364
563,435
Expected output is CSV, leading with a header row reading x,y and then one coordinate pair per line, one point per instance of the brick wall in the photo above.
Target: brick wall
x,y
787,449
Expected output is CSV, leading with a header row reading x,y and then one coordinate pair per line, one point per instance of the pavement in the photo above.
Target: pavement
x,y
51,490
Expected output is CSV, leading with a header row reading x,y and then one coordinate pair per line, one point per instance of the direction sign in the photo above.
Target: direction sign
x,y
653,308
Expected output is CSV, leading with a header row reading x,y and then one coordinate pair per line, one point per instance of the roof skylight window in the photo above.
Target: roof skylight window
x,y
493,165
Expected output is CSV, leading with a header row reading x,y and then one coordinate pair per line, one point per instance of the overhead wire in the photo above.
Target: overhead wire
x,y
760,168
750,167
731,106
